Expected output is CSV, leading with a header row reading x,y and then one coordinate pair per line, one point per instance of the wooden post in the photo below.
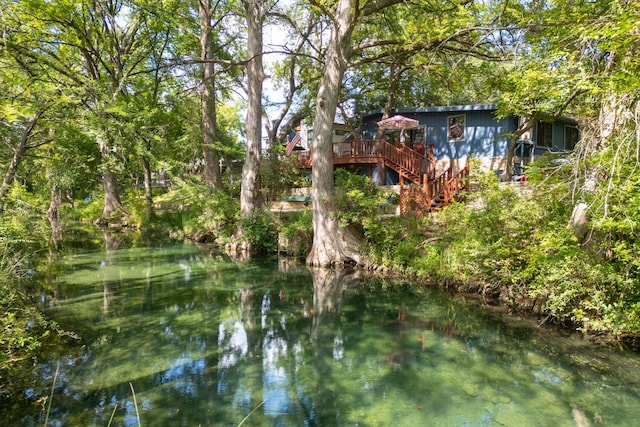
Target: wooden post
x,y
466,176
447,184
431,162
427,187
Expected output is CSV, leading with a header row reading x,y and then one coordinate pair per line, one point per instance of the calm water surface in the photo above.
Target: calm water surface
x,y
174,337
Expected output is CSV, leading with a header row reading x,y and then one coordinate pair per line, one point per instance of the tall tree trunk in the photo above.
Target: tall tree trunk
x,y
250,191
332,244
211,156
148,196
613,110
18,154
250,198
615,125
55,201
112,201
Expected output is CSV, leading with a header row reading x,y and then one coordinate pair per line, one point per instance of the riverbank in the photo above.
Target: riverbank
x,y
514,246
514,252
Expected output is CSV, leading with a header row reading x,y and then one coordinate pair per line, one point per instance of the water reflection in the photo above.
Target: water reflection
x,y
330,293
205,341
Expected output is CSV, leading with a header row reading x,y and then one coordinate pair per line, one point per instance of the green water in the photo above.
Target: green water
x,y
174,337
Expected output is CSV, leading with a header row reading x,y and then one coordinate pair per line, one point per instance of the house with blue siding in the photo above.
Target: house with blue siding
x,y
460,132
426,151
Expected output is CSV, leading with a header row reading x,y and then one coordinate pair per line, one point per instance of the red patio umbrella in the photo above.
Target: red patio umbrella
x,y
398,122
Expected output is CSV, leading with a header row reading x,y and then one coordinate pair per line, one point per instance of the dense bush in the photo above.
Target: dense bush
x,y
261,231
23,328
297,232
357,199
514,242
279,173
395,241
192,209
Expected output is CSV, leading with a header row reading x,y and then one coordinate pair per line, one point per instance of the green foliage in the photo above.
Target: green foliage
x,y
23,328
357,199
261,231
297,231
23,202
395,242
23,228
137,208
220,215
279,173
191,208
390,241
86,209
616,210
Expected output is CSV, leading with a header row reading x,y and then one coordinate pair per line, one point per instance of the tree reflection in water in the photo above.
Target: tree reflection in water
x,y
206,341
112,244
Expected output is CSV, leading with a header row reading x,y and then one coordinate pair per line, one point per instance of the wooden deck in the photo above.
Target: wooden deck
x,y
420,189
348,153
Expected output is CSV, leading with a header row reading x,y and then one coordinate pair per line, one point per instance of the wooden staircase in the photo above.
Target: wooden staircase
x,y
425,191
407,162
435,193
420,189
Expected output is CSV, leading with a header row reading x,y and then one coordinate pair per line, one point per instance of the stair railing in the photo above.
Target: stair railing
x,y
408,162
436,189
445,187
459,182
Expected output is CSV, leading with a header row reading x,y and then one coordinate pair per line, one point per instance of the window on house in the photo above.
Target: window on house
x,y
544,135
571,137
456,129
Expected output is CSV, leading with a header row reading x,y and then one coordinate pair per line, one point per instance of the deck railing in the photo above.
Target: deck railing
x,y
362,148
459,182
346,151
406,161
436,189
432,191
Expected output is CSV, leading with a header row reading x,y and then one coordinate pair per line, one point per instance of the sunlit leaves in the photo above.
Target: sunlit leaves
x,y
358,199
426,53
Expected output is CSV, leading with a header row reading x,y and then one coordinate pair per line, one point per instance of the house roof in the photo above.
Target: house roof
x,y
453,109
438,109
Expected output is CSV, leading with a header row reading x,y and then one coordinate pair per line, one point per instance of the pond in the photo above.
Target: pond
x,y
172,336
